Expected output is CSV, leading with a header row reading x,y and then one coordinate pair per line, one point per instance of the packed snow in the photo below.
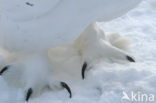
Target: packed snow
x,y
106,81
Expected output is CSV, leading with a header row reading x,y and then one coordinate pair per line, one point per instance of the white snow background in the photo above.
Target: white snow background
x,y
106,81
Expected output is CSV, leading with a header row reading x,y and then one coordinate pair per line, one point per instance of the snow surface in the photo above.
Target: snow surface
x,y
106,81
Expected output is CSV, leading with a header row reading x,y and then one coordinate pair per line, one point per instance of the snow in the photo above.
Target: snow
x,y
106,81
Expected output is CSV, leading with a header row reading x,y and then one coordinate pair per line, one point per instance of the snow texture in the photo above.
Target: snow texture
x,y
106,81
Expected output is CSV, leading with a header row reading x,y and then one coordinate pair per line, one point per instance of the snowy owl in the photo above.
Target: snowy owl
x,y
33,71
27,31
92,46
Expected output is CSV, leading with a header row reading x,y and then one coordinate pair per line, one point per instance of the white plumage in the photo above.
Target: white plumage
x,y
44,69
91,46
27,34
50,23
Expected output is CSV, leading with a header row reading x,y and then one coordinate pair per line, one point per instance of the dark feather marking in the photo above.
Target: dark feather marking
x,y
30,4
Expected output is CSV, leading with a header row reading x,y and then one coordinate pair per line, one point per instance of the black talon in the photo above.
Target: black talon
x,y
4,69
130,59
29,93
64,85
83,70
